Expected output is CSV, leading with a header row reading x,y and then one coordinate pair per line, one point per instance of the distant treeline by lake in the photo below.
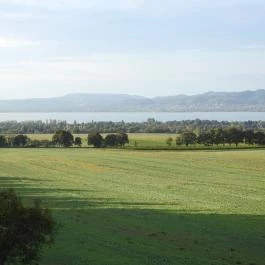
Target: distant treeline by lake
x,y
149,126
81,117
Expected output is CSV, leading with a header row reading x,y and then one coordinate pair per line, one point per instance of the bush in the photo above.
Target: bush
x,y
23,230
169,141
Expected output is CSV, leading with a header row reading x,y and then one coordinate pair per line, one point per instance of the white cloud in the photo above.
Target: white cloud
x,y
6,42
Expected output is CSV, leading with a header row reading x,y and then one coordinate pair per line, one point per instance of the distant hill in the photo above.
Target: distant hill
x,y
211,101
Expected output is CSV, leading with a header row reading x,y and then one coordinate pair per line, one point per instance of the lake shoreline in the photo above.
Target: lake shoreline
x,y
81,117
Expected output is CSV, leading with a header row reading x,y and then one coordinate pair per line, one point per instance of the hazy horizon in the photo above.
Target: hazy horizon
x,y
108,93
150,48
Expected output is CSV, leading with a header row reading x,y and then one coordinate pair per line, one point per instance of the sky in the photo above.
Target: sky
x,y
50,48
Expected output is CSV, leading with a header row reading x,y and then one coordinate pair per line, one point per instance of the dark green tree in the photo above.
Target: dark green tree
x,y
3,141
205,139
259,138
95,139
63,138
23,230
123,139
189,138
78,141
20,140
219,136
111,140
249,136
235,136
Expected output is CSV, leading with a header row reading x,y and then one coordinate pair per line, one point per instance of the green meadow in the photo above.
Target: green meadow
x,y
121,207
141,139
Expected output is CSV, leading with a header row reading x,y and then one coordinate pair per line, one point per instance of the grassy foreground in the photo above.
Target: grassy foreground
x,y
141,207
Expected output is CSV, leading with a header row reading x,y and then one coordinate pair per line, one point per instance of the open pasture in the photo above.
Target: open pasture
x,y
122,207
136,139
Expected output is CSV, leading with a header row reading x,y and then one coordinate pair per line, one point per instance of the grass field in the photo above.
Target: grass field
x,y
141,139
122,207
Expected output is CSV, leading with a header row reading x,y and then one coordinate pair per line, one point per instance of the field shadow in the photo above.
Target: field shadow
x,y
104,231
12,180
116,236
67,198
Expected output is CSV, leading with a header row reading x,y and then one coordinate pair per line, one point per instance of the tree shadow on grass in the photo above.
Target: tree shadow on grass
x,y
103,231
145,236
6,182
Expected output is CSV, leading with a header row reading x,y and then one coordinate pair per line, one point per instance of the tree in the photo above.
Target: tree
x,y
111,140
249,136
123,139
116,139
63,138
20,140
95,139
205,138
3,141
23,230
259,138
219,136
78,141
189,138
235,136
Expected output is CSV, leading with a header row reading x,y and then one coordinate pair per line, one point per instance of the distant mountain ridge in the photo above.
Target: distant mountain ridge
x,y
210,101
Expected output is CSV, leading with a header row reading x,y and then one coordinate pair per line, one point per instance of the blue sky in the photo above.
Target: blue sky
x,y
146,47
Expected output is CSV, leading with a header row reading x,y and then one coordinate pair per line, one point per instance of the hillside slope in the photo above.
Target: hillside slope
x,y
211,101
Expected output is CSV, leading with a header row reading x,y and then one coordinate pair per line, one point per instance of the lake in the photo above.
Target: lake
x,y
133,116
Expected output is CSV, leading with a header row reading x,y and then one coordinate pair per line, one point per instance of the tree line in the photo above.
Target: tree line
x,y
149,126
221,136
63,138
